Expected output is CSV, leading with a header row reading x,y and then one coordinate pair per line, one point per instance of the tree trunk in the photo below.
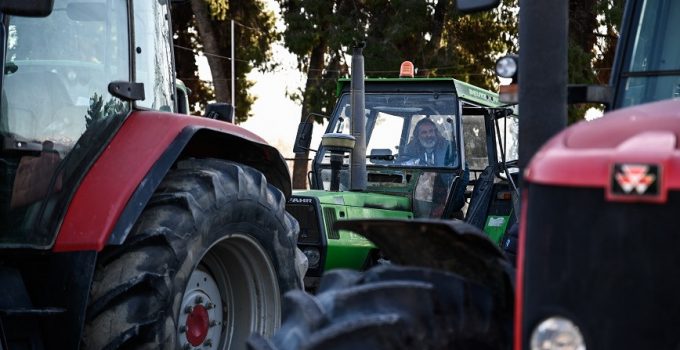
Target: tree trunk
x,y
439,17
185,60
219,67
582,39
314,82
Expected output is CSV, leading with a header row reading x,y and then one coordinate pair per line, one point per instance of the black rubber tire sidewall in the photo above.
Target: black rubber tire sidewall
x,y
392,307
198,204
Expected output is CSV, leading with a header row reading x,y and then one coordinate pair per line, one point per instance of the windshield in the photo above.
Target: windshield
x,y
412,148
405,130
479,130
652,70
507,141
58,69
56,109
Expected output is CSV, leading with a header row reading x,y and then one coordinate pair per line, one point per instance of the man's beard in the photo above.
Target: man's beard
x,y
429,143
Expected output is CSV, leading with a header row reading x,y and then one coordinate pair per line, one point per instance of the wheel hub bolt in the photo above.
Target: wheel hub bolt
x,y
199,300
189,309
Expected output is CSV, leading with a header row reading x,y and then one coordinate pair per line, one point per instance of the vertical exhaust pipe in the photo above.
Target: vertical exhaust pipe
x,y
358,160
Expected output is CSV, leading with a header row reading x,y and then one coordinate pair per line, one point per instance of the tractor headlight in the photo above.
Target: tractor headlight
x,y
557,333
313,256
506,66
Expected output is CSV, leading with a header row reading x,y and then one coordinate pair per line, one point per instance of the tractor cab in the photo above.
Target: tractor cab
x,y
427,139
412,147
67,87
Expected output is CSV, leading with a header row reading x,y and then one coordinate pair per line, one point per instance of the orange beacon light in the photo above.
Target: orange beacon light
x,y
406,70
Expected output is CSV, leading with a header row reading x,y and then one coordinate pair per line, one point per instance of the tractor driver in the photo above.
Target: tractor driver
x,y
428,146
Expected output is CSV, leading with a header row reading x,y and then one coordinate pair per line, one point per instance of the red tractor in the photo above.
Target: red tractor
x,y
597,265
123,222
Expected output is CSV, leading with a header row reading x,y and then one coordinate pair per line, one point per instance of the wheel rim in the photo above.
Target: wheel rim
x,y
232,293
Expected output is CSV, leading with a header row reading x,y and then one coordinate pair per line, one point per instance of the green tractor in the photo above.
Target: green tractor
x,y
375,164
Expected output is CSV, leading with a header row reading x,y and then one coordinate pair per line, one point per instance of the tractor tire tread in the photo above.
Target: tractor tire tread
x,y
133,290
391,307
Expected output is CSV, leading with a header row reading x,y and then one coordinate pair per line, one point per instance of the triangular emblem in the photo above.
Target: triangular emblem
x,y
635,179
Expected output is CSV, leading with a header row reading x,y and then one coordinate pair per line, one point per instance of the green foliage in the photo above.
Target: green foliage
x,y
218,9
439,41
431,34
593,33
610,13
319,33
254,35
98,111
187,43
94,111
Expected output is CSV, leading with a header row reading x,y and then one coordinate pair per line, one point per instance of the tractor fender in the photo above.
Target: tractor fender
x,y
119,184
453,246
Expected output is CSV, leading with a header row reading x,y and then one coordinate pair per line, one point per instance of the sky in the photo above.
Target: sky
x,y
275,117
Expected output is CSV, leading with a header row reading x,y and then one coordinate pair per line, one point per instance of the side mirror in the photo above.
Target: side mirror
x,y
303,138
471,6
35,8
220,111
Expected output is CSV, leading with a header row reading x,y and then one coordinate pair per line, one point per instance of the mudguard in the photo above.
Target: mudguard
x,y
117,187
453,246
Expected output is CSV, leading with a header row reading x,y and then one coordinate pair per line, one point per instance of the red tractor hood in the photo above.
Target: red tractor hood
x,y
630,148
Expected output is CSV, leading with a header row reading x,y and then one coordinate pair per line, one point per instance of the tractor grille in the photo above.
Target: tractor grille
x,y
308,218
611,267
331,218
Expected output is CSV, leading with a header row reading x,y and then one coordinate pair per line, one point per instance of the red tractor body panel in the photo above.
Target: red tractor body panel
x,y
519,275
124,164
584,155
595,245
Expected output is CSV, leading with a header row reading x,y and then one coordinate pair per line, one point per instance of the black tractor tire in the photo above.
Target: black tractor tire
x,y
206,264
391,307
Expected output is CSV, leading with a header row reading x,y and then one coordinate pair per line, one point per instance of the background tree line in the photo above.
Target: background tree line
x,y
430,33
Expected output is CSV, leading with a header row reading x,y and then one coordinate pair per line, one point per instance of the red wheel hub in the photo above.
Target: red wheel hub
x,y
197,325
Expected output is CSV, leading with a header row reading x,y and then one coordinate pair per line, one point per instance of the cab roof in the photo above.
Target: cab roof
x,y
464,90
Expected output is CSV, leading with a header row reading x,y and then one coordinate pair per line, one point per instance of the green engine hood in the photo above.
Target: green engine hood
x,y
359,199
